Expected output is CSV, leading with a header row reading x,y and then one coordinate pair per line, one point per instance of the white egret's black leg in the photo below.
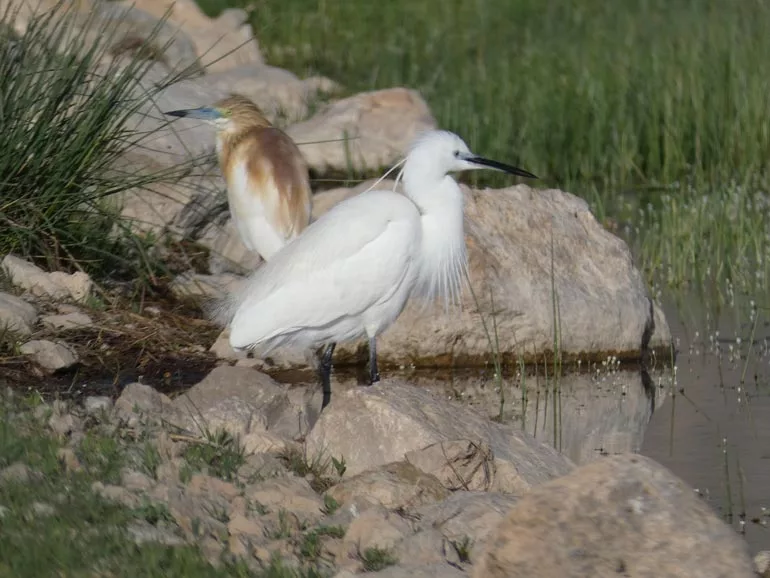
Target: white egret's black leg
x,y
374,374
326,370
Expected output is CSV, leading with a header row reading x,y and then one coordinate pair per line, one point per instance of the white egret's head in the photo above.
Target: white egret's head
x,y
442,152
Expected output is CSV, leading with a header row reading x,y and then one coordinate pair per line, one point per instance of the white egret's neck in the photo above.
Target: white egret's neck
x,y
442,253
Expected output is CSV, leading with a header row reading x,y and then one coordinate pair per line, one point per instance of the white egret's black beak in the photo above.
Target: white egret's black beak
x,y
481,161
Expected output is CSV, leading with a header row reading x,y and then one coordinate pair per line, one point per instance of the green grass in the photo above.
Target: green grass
x,y
630,104
375,559
65,126
218,453
53,524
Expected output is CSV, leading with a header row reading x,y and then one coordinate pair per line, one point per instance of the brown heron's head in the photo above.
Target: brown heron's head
x,y
233,114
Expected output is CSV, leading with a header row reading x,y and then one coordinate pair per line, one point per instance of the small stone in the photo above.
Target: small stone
x,y
116,494
292,494
133,480
259,467
67,321
266,443
138,401
96,405
57,285
63,424
42,510
143,532
69,459
51,356
394,485
375,528
17,472
762,563
201,484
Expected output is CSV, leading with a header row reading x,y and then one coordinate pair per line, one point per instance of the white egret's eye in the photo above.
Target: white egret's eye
x,y
457,154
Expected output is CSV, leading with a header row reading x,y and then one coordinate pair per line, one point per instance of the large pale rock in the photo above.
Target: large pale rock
x,y
119,27
16,315
624,515
57,285
371,426
220,43
521,240
365,132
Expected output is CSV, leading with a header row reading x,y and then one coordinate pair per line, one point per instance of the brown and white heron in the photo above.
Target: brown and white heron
x,y
268,189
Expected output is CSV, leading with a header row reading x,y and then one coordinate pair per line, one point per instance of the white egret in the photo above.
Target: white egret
x,y
351,272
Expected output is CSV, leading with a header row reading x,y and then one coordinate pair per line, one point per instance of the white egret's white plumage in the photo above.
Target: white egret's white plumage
x,y
268,190
351,272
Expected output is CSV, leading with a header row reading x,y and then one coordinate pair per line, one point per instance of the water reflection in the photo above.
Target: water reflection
x,y
714,428
602,409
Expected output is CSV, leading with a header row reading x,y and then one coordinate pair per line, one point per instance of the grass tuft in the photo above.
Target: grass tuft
x,y
66,115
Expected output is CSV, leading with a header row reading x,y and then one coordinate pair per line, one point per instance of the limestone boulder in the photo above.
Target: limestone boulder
x,y
365,132
541,268
372,426
220,43
121,28
621,516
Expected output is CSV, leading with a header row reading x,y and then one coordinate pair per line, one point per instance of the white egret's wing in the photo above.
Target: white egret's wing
x,y
351,258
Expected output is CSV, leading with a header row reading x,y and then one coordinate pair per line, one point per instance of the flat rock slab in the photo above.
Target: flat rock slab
x,y
51,356
396,485
372,426
65,321
621,516
56,286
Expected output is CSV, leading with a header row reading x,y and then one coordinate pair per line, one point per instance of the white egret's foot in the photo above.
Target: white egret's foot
x,y
326,371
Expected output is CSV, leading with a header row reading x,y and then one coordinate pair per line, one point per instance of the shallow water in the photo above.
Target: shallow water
x,y
713,429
